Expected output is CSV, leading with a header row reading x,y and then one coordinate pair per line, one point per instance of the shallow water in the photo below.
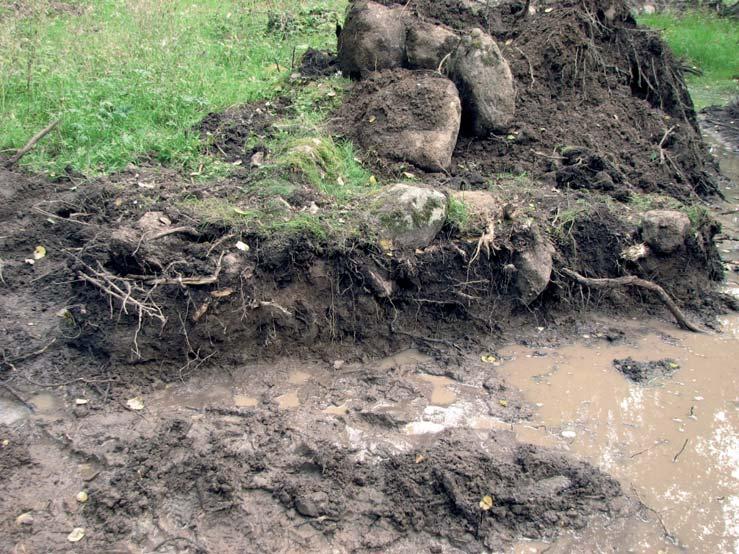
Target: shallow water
x,y
673,442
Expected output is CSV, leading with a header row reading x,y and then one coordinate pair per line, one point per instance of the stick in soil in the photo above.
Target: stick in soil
x,y
634,281
31,144
681,451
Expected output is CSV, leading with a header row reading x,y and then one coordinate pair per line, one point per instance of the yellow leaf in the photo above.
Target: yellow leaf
x,y
488,358
486,503
503,402
39,252
77,534
372,119
386,244
373,180
82,497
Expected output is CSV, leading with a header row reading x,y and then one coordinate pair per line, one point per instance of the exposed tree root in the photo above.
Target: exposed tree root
x,y
634,281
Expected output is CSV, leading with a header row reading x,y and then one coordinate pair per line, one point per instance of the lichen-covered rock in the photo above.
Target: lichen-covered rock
x,y
373,39
665,230
485,83
533,263
410,216
414,117
426,45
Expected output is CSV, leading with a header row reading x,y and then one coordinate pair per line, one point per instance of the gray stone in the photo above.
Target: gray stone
x,y
373,39
665,230
533,262
426,45
410,216
415,118
485,83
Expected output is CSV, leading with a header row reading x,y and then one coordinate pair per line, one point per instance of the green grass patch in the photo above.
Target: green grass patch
x,y
130,80
708,42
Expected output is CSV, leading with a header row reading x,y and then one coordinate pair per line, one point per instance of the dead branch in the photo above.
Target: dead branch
x,y
31,144
185,281
634,281
172,231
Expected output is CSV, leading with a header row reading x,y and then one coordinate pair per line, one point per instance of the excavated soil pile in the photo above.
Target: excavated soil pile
x,y
574,75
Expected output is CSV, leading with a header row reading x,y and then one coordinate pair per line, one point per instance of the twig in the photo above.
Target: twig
x,y
531,68
35,353
669,536
662,144
31,144
172,231
681,451
634,281
17,396
655,445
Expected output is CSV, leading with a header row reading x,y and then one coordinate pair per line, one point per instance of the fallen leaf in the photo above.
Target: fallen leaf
x,y
24,519
373,180
240,211
486,503
420,458
136,403
81,401
503,402
340,181
82,497
488,358
408,175
242,246
77,534
39,252
372,119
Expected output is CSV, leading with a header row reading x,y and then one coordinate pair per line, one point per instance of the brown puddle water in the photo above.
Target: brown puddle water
x,y
673,442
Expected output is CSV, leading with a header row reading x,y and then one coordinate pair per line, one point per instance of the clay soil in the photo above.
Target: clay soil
x,y
149,357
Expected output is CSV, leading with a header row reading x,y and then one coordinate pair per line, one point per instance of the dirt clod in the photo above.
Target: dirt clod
x,y
641,372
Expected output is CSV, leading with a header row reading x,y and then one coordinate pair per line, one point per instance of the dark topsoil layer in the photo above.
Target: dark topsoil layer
x,y
581,80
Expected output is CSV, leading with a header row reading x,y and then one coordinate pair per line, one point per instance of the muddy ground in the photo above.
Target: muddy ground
x,y
212,388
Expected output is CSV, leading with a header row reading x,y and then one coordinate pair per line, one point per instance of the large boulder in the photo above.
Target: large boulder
x,y
426,45
415,117
485,83
533,263
410,216
665,230
373,39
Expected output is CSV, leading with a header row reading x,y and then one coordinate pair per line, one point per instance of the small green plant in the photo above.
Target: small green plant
x,y
457,214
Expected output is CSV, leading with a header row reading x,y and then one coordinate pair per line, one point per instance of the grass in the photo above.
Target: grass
x,y
707,42
129,80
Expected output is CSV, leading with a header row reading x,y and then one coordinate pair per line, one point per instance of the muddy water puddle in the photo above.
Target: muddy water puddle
x,y
671,442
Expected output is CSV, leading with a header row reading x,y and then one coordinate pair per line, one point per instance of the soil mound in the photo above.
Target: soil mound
x,y
585,76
